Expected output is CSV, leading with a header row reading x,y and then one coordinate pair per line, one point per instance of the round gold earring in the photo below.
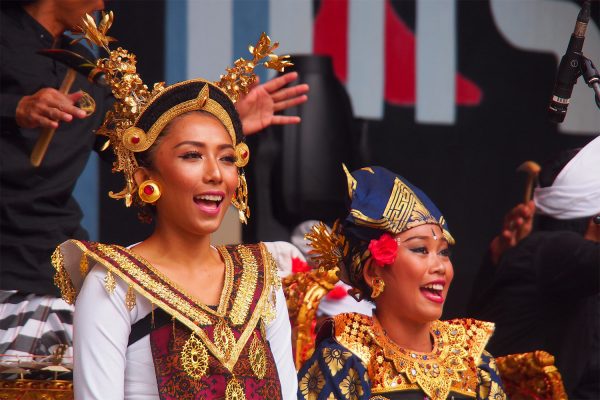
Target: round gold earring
x,y
149,191
377,287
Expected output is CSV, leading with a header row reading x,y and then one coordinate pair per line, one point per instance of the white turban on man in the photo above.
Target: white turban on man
x,y
575,193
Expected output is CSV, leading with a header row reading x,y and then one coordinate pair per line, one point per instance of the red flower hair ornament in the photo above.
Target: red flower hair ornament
x,y
383,250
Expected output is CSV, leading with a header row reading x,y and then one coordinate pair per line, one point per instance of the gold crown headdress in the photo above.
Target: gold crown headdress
x,y
138,116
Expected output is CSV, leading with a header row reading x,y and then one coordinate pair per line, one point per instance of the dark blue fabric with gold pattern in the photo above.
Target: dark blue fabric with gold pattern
x,y
333,372
383,201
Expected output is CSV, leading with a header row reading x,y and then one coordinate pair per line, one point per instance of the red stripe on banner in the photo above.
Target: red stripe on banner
x,y
467,93
400,66
331,35
400,77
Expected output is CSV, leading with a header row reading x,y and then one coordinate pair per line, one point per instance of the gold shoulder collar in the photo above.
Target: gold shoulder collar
x,y
478,333
450,366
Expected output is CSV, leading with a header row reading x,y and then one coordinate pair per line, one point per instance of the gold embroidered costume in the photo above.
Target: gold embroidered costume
x,y
356,360
198,343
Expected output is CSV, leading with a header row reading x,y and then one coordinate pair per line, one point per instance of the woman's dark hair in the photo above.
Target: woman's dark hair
x,y
547,176
357,248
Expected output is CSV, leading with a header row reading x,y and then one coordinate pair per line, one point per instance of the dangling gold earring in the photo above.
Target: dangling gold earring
x,y
377,288
240,199
149,191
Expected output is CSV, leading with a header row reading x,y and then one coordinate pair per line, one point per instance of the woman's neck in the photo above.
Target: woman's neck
x,y
177,249
405,333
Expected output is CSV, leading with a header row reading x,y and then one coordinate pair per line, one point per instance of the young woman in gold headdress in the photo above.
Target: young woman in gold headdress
x,y
393,249
174,317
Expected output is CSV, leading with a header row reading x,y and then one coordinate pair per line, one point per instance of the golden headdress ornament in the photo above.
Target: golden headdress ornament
x,y
329,246
140,114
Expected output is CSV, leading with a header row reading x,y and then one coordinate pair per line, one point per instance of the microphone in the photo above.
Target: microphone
x,y
569,69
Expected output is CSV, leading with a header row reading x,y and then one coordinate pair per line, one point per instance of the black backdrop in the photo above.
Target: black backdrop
x,y
467,168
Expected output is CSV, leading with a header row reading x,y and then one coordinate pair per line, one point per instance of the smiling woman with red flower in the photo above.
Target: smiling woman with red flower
x,y
393,249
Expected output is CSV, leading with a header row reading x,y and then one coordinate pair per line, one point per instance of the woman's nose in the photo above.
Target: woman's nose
x,y
212,172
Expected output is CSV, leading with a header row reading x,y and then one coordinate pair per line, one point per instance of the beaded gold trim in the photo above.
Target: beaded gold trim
x,y
272,283
83,265
245,292
130,298
109,282
62,280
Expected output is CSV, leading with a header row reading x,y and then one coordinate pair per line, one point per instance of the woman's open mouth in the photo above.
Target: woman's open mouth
x,y
433,292
209,203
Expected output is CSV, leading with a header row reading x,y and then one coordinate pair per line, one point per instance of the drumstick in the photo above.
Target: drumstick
x,y
39,150
532,169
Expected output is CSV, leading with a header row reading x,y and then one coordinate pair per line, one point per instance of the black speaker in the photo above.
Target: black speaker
x,y
307,179
301,165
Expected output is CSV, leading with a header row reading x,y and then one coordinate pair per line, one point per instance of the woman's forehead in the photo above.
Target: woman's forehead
x,y
198,126
426,230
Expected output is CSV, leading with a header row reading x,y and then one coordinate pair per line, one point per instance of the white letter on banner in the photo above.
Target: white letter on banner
x,y
366,57
436,61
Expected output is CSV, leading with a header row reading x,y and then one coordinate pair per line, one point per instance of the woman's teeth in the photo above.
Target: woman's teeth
x,y
210,200
435,288
209,197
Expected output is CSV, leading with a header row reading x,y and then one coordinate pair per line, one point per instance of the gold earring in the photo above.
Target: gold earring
x,y
149,191
377,287
240,199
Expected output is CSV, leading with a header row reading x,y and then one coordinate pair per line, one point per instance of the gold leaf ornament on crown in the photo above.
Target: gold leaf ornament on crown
x,y
133,96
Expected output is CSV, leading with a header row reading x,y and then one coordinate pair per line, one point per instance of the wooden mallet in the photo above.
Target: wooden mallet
x,y
532,169
41,146
77,64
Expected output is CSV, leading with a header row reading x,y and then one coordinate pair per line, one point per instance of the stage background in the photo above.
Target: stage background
x,y
450,94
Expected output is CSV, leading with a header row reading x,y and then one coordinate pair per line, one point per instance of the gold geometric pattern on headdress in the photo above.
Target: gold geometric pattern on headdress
x,y
133,97
403,211
446,234
351,181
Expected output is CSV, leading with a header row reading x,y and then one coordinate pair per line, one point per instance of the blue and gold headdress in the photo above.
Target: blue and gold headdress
x,y
380,202
383,201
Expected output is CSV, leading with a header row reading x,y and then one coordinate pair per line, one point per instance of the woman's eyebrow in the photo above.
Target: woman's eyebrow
x,y
416,237
202,144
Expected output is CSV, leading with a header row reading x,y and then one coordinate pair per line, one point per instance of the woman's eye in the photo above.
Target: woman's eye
x,y
420,250
191,155
446,252
229,159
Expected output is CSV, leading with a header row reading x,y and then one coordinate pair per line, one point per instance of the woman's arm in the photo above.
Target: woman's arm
x,y
279,335
102,325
